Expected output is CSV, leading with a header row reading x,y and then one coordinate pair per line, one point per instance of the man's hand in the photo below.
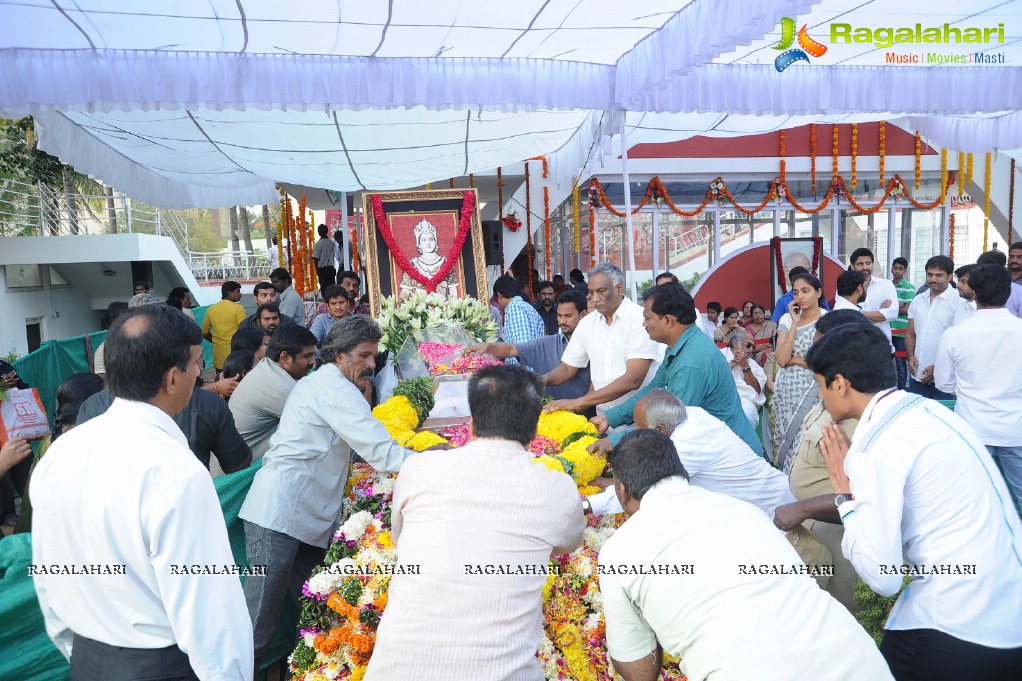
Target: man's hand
x,y
601,446
568,405
600,421
834,446
788,516
224,387
480,349
927,376
439,447
886,304
603,483
10,380
913,364
14,452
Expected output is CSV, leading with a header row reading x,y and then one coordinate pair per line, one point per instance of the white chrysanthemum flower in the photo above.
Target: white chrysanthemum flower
x,y
356,525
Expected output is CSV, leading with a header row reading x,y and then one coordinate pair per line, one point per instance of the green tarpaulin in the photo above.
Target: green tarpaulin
x,y
29,655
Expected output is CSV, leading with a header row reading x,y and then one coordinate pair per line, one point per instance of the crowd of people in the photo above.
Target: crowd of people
x,y
849,477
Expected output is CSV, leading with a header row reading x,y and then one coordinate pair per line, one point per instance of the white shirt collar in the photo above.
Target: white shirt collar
x,y
146,413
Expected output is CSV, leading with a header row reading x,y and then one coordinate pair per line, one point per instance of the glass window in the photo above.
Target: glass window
x,y
738,229
917,235
689,245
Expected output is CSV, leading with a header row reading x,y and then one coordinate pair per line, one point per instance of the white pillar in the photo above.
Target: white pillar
x,y
892,243
656,242
628,210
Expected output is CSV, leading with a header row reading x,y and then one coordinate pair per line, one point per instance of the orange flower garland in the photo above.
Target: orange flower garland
x,y
855,154
834,152
353,239
943,170
574,213
594,185
291,244
782,149
546,213
281,226
968,173
951,236
960,173
919,158
812,155
883,150
986,200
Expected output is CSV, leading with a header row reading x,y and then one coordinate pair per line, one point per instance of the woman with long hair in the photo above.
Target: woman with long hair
x,y
762,331
746,318
795,390
71,394
729,328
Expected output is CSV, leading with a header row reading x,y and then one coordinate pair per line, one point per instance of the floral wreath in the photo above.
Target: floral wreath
x,y
464,226
817,252
512,222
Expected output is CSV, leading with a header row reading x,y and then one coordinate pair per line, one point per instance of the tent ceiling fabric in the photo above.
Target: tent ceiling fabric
x,y
208,102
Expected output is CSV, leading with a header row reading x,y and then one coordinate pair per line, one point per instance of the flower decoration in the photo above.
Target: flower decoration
x,y
425,312
558,425
717,189
511,221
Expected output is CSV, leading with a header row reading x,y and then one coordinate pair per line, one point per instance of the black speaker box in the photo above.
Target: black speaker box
x,y
493,241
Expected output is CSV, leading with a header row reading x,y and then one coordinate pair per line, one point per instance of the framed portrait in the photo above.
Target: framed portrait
x,y
423,241
788,253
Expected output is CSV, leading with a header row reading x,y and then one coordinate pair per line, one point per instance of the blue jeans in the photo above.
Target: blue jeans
x,y
289,562
1009,460
901,363
927,390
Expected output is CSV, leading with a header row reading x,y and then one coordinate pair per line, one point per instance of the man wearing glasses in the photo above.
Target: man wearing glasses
x,y
750,379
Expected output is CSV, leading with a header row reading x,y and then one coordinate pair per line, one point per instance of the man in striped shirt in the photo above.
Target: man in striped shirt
x,y
906,292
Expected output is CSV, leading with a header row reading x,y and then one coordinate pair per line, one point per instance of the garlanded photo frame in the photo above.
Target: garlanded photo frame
x,y
423,240
787,253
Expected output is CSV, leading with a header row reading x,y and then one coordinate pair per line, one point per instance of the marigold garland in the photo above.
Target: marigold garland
x,y
781,147
855,155
281,227
883,150
546,214
919,159
291,244
951,236
574,212
464,227
593,186
959,175
834,151
968,171
812,156
986,200
943,170
353,240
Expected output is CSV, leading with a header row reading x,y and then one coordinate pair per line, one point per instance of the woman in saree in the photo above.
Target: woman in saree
x,y
730,328
795,390
762,331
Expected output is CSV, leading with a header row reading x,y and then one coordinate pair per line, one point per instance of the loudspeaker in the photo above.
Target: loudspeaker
x,y
493,241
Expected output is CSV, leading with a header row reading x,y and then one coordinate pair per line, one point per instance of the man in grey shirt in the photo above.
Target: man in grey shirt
x,y
323,254
258,401
544,353
288,300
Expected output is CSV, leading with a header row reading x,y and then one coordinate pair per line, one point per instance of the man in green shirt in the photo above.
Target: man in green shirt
x,y
906,292
693,369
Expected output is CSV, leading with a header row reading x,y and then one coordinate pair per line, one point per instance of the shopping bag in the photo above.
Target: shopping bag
x,y
22,415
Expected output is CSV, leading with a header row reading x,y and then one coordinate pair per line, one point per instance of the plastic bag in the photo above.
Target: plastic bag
x,y
22,415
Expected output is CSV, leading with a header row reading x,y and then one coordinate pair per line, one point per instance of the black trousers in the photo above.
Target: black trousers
x,y
931,655
327,277
95,661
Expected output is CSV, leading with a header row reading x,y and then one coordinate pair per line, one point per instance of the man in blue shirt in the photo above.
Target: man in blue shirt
x,y
693,370
521,321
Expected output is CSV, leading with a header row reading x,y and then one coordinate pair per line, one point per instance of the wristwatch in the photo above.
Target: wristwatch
x,y
746,369
587,507
842,498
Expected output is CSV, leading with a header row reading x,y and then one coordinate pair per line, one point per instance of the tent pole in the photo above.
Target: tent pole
x,y
628,209
345,238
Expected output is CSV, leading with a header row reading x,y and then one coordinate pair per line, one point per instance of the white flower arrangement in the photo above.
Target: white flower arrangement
x,y
424,312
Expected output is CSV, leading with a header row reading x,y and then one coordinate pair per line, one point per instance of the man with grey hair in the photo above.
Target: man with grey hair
x,y
716,458
295,499
613,343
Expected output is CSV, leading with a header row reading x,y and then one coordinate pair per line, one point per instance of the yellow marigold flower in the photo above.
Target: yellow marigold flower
x,y
559,424
588,490
397,414
424,440
586,466
358,673
550,462
548,586
385,540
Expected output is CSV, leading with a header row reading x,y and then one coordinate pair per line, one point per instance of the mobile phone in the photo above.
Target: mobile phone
x,y
796,309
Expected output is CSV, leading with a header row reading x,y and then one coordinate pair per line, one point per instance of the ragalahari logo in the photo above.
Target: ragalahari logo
x,y
808,45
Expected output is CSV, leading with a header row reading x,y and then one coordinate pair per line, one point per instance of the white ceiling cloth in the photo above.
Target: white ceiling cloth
x,y
208,102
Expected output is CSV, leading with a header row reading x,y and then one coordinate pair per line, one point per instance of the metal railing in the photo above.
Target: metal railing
x,y
40,210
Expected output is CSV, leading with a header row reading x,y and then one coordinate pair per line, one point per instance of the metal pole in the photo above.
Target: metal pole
x,y
42,210
344,231
127,211
656,242
628,208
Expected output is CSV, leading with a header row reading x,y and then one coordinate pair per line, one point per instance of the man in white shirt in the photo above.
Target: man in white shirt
x,y
289,302
258,401
613,343
715,458
272,255
458,511
123,500
851,289
919,495
750,379
295,499
707,578
881,302
931,313
962,285
987,381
